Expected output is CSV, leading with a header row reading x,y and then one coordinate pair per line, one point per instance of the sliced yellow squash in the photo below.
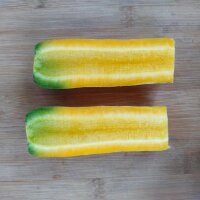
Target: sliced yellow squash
x,y
74,131
74,63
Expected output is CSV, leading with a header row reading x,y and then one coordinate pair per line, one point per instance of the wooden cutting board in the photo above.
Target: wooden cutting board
x,y
169,175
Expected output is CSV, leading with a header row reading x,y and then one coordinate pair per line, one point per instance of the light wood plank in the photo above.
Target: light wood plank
x,y
173,174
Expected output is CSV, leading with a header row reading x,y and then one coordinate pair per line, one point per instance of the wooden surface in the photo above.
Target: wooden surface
x,y
169,175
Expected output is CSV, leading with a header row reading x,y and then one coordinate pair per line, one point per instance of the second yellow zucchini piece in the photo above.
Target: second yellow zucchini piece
x,y
73,131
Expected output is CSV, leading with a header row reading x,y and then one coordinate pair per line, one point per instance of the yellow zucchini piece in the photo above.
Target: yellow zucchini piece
x,y
74,131
75,63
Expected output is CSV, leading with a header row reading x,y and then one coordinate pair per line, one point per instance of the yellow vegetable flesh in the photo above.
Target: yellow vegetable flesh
x,y
74,131
74,63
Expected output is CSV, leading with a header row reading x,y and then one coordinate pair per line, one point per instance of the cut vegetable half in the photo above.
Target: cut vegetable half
x,y
74,131
74,63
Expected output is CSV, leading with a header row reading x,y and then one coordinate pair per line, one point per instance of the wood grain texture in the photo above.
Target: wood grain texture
x,y
173,174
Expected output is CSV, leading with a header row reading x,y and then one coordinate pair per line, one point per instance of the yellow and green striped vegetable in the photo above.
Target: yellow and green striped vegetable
x,y
74,131
75,63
